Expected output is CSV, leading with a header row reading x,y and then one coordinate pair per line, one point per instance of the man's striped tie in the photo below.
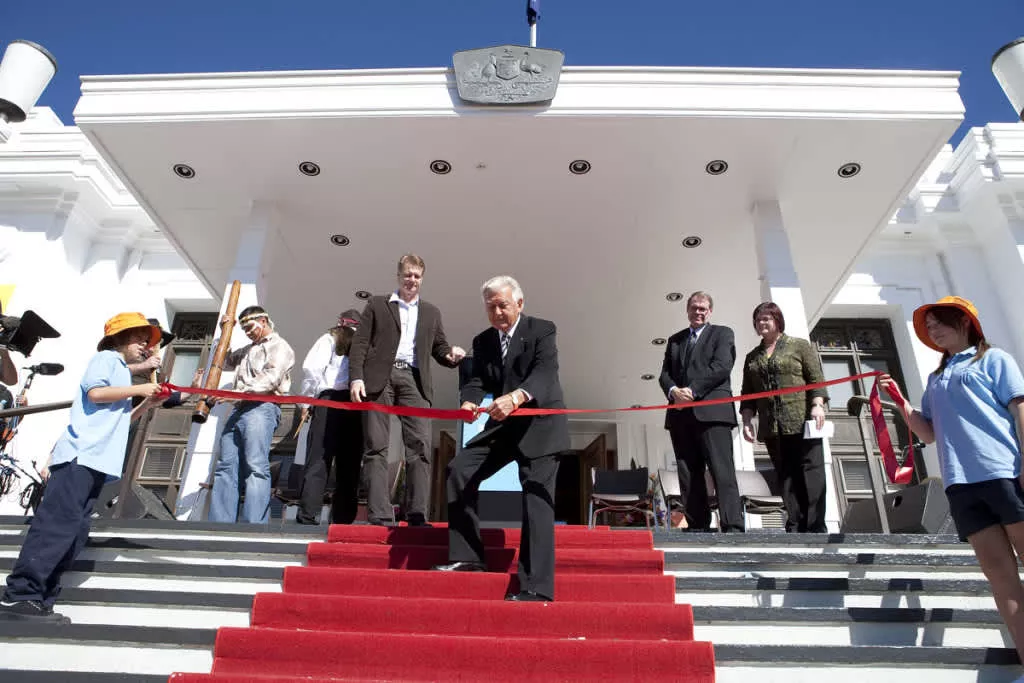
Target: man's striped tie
x,y
505,340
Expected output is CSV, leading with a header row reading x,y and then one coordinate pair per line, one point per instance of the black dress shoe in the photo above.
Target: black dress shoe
x,y
418,520
527,596
461,567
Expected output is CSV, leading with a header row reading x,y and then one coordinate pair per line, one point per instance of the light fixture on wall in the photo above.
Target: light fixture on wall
x,y
692,242
340,240
848,170
579,167
659,341
363,294
1008,68
309,168
25,71
184,171
647,377
440,167
674,296
716,167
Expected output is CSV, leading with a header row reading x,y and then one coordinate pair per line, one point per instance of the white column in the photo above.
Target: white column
x,y
252,264
777,274
780,283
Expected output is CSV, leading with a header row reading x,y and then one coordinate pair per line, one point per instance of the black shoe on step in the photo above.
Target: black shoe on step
x,y
527,596
30,610
418,520
461,567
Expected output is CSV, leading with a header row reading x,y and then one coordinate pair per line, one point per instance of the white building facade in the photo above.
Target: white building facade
x,y
93,221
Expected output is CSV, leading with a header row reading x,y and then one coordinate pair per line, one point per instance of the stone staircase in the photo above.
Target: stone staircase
x,y
146,598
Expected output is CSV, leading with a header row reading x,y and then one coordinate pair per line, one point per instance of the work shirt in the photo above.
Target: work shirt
x,y
967,404
323,369
263,367
97,434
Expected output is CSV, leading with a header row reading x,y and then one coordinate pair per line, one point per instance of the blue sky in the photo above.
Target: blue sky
x,y
117,36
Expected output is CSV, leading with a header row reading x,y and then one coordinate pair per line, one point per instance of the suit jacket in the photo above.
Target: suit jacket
x,y
707,373
374,346
531,365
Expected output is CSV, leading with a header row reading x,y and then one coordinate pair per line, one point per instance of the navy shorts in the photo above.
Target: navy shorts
x,y
987,503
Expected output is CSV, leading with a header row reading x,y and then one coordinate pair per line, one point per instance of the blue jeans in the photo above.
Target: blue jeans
x,y
245,457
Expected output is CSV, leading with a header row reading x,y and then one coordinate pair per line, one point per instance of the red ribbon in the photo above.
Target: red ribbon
x,y
897,474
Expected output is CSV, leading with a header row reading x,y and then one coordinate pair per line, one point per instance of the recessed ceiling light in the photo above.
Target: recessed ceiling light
x,y
692,242
716,167
440,167
363,294
184,171
340,240
849,170
659,341
673,296
309,168
647,377
579,167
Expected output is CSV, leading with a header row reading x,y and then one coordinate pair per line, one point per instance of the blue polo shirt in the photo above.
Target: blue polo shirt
x,y
98,432
966,405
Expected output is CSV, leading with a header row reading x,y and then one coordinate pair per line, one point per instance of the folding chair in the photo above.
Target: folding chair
x,y
621,491
755,495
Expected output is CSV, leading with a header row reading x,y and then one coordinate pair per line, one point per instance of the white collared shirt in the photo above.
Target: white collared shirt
x,y
408,316
323,369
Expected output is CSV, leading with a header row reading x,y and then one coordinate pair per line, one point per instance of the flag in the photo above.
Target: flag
x,y
532,11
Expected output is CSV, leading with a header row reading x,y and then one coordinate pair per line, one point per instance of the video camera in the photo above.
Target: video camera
x,y
22,334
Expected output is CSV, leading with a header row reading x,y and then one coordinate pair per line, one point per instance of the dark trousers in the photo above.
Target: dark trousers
x,y
537,545
699,446
335,436
402,389
800,466
59,530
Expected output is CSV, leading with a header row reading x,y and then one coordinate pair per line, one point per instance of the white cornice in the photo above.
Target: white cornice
x,y
592,91
46,167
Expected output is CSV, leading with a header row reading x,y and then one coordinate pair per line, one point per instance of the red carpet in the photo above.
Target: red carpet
x,y
614,619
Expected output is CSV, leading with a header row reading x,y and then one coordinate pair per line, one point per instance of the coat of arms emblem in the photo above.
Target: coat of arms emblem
x,y
508,74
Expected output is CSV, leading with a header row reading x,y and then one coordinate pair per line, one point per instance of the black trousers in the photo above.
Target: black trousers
x,y
59,530
402,389
699,446
537,544
800,466
335,436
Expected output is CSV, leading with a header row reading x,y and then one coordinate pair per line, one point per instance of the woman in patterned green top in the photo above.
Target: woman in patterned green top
x,y
780,362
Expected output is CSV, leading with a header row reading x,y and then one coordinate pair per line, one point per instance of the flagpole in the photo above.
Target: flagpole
x,y
532,14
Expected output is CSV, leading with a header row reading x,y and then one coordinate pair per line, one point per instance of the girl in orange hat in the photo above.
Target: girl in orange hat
x,y
89,453
973,411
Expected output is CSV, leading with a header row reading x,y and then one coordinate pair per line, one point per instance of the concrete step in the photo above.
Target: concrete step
x,y
855,664
782,540
818,591
104,648
850,626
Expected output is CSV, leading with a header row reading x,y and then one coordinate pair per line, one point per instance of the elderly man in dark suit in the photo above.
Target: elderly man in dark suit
x,y
389,363
697,366
516,361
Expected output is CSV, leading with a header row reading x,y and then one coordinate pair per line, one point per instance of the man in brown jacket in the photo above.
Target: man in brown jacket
x,y
389,363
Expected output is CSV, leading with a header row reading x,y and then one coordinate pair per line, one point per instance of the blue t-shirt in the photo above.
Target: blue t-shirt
x,y
967,406
98,432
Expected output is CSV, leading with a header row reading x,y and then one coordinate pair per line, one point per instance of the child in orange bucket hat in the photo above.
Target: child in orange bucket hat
x,y
88,454
973,410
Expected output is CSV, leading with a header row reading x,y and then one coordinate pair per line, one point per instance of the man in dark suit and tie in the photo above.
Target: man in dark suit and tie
x,y
389,363
516,361
697,366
